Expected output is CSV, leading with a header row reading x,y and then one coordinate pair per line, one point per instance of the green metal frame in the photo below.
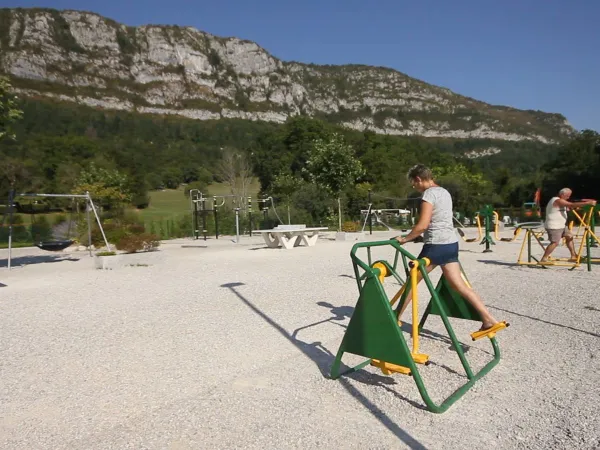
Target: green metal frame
x,y
373,331
487,212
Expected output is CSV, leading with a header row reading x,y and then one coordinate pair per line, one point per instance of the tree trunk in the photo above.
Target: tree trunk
x,y
289,217
339,214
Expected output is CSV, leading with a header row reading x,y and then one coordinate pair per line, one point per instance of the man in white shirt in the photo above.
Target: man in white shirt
x,y
556,222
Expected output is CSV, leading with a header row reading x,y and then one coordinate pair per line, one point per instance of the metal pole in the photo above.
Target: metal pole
x,y
216,218
250,214
237,225
53,195
195,220
98,220
89,223
11,197
204,212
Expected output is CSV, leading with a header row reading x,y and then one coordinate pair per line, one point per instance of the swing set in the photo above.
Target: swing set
x,y
55,243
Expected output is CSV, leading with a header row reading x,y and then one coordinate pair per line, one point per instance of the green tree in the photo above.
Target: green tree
x,y
9,112
576,166
108,187
469,190
332,165
285,186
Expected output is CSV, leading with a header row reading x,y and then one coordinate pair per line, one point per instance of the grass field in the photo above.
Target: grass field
x,y
172,203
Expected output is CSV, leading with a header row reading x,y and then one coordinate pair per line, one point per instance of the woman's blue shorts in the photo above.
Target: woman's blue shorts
x,y
440,254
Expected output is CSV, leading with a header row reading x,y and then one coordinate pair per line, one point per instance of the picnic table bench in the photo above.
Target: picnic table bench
x,y
290,236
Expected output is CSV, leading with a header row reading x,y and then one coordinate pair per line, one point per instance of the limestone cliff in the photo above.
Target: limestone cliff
x,y
83,57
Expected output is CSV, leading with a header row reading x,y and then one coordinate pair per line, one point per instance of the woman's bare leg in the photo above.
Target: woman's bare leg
x,y
409,295
452,273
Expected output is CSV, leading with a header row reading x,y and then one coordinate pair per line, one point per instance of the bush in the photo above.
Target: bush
x,y
41,230
349,227
133,243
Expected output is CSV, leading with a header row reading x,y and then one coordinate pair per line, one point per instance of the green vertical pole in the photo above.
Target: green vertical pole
x,y
444,317
588,244
370,213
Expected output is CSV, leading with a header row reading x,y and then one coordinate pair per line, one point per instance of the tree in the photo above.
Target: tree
x,y
9,112
332,165
286,185
470,191
109,188
236,171
576,166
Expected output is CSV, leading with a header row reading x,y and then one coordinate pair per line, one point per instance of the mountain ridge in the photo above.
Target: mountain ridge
x,y
84,57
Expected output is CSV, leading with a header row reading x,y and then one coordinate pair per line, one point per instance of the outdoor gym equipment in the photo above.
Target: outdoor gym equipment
x,y
374,331
487,213
60,244
198,206
587,222
377,212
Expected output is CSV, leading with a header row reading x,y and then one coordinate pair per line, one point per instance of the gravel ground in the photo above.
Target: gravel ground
x,y
223,345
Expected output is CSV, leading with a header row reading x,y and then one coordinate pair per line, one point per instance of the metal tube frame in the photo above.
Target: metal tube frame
x,y
371,272
89,204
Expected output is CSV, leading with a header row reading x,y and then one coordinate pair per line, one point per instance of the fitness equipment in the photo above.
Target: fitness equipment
x,y
56,245
587,222
374,331
525,225
487,212
461,233
200,211
370,211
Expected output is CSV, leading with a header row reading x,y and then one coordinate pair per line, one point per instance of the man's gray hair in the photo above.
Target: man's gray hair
x,y
564,191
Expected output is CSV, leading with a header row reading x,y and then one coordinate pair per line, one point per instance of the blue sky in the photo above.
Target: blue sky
x,y
529,54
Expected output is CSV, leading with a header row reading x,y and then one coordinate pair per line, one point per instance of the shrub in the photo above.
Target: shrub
x,y
133,243
349,227
41,230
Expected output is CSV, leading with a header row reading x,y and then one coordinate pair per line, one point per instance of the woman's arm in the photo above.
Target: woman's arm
x,y
421,225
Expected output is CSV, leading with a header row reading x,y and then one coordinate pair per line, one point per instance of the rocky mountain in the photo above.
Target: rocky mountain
x,y
86,58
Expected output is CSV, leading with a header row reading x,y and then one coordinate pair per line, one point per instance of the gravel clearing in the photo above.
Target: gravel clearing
x,y
224,345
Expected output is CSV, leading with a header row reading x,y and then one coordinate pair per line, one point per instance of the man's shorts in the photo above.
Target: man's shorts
x,y
555,236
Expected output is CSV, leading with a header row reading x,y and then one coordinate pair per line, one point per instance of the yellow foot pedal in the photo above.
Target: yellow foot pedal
x,y
489,332
388,368
420,358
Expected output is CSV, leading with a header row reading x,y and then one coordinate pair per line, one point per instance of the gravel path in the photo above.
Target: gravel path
x,y
223,345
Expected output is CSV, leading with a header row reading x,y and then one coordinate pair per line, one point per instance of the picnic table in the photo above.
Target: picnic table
x,y
290,236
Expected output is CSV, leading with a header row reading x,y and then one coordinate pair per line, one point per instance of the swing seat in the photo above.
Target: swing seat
x,y
54,246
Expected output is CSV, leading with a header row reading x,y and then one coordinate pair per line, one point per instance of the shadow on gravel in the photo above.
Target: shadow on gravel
x,y
347,276
546,321
503,263
323,358
26,260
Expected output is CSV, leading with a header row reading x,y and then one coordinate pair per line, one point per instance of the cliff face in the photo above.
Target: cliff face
x,y
83,57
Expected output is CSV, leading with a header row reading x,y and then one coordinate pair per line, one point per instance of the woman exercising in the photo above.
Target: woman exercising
x,y
440,243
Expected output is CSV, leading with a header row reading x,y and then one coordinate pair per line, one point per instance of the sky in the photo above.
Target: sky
x,y
528,54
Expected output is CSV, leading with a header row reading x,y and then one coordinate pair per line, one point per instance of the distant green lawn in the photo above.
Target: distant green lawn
x,y
172,203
